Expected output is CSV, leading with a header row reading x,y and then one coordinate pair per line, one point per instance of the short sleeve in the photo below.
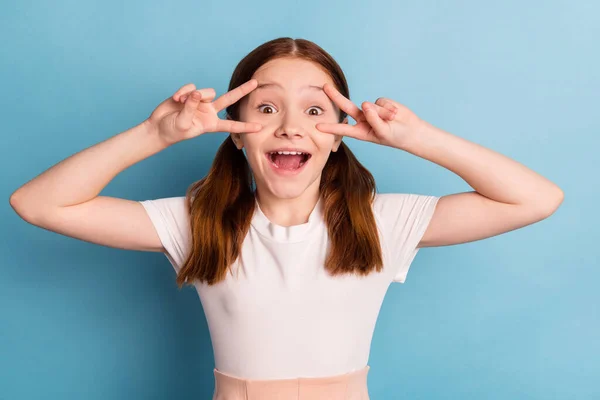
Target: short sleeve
x,y
404,218
172,223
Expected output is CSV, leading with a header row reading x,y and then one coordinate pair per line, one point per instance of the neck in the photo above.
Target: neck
x,y
287,211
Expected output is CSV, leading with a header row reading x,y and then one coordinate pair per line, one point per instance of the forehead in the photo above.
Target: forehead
x,y
291,74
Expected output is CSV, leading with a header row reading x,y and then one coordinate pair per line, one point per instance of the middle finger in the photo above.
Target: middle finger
x,y
343,103
234,95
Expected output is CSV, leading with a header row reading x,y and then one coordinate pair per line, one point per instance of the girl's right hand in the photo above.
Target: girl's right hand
x,y
190,113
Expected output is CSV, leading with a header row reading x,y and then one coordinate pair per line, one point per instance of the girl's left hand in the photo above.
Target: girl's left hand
x,y
386,122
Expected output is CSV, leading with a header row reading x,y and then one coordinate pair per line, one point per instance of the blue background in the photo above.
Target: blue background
x,y
511,317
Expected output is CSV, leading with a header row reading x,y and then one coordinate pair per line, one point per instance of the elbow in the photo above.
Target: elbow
x,y
552,203
16,201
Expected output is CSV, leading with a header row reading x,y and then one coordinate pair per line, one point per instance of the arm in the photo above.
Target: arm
x,y
64,198
507,194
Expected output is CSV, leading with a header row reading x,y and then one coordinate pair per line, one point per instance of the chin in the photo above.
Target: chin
x,y
288,189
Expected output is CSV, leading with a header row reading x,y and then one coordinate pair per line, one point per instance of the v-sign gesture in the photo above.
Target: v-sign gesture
x,y
384,122
190,113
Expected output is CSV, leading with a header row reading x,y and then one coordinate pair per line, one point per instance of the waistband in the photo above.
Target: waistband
x,y
349,386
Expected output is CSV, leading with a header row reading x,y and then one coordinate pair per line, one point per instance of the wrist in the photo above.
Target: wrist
x,y
421,136
151,131
149,127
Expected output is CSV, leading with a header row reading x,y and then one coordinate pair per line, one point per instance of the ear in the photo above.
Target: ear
x,y
338,138
237,140
236,137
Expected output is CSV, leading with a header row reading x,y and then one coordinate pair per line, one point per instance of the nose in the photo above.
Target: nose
x,y
291,127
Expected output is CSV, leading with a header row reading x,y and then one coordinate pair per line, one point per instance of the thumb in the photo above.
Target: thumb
x,y
183,121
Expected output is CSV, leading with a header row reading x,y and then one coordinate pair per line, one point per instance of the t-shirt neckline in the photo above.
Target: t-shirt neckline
x,y
287,234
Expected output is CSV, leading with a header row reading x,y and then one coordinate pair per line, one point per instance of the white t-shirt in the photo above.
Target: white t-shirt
x,y
278,314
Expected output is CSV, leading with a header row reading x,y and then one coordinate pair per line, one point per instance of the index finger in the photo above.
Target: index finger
x,y
237,126
234,95
343,103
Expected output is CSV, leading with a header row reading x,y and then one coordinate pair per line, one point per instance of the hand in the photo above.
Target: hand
x,y
384,122
190,113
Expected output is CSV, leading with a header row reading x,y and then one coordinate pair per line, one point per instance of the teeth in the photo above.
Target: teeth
x,y
289,152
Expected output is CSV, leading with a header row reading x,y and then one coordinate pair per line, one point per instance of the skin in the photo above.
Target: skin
x,y
283,114
507,195
288,118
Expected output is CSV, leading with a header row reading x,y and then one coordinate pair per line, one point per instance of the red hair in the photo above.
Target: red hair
x,y
222,204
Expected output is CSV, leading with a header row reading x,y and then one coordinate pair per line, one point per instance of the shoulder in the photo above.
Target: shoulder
x,y
174,208
171,219
170,213
403,219
388,204
399,213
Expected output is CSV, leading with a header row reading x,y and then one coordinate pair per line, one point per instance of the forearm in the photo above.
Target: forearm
x,y
82,176
491,174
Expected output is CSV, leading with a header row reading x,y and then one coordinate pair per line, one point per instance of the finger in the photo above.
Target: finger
x,y
383,102
234,95
183,121
184,89
384,112
343,103
392,115
373,118
354,131
237,126
388,112
207,95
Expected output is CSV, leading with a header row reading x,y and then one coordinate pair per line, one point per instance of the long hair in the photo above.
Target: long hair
x,y
222,203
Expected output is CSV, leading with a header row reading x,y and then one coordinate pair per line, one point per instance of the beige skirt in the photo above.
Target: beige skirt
x,y
350,386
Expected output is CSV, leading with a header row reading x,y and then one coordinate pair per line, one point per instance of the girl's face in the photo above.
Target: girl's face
x,y
288,103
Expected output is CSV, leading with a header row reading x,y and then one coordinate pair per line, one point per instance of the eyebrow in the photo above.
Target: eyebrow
x,y
267,85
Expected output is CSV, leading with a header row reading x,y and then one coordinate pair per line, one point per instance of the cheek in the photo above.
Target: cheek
x,y
324,141
251,141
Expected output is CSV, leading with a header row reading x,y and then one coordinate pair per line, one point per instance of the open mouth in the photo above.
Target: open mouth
x,y
288,160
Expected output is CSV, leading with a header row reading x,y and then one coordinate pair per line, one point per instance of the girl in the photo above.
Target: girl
x,y
286,241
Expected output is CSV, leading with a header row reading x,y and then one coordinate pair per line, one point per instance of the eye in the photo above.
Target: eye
x,y
317,107
268,106
265,105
